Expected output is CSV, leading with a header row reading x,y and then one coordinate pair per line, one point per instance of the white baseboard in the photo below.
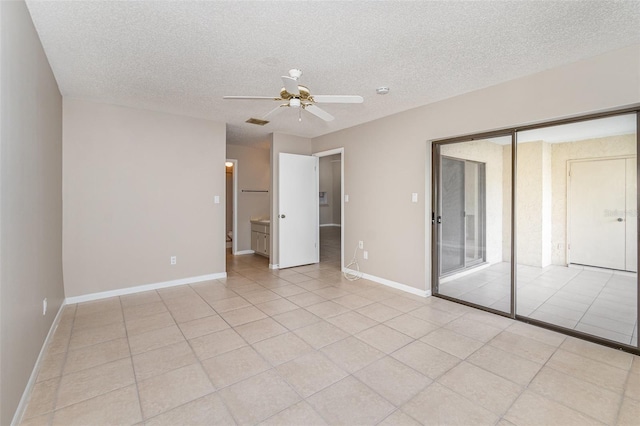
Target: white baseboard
x,y
24,400
141,288
241,252
330,224
389,283
274,266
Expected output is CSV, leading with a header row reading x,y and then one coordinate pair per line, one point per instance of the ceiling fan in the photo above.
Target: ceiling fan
x,y
300,98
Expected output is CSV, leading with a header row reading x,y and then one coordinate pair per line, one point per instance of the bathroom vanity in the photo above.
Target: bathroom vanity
x,y
260,236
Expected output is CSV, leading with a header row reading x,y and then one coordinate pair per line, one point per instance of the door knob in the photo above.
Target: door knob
x,y
619,219
282,216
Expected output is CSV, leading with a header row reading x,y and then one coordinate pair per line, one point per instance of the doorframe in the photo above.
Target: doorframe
x,y
436,177
342,224
567,252
234,179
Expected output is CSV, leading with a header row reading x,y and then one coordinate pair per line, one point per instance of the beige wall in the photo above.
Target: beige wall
x,y
534,233
30,201
506,203
337,190
286,144
325,184
329,182
388,159
254,171
547,204
138,188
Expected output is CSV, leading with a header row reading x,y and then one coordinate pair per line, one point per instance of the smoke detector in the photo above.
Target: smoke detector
x,y
382,90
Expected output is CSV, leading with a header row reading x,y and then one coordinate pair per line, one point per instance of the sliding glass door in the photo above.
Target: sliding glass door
x,y
463,214
541,224
472,219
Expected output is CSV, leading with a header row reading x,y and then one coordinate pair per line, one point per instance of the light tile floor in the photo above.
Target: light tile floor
x,y
596,301
304,346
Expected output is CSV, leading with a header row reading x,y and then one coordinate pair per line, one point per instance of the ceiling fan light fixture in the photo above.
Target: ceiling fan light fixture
x,y
295,73
299,97
228,164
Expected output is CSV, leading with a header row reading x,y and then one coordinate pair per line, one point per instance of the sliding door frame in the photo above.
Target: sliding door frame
x,y
513,132
436,219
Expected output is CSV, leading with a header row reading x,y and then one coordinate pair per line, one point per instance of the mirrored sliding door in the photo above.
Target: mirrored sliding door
x,y
577,227
568,260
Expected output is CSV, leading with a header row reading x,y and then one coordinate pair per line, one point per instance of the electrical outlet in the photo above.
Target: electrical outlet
x,y
360,245
365,255
44,306
174,260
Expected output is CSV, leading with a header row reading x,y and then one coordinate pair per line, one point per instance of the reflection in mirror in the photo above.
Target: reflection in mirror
x,y
474,234
577,227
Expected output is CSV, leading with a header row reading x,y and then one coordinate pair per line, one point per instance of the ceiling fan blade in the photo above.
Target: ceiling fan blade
x,y
291,85
273,111
319,112
338,99
262,98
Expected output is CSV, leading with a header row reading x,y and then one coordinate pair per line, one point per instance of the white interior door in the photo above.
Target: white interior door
x,y
597,218
298,210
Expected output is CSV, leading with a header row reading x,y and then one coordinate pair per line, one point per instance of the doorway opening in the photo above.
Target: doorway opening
x,y
231,205
331,206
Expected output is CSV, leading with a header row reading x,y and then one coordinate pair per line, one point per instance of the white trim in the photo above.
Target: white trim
x,y
234,178
331,224
146,287
22,405
242,252
428,211
274,266
328,152
389,283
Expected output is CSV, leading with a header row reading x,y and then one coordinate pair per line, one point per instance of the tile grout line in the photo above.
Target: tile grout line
x,y
547,398
133,367
64,364
199,362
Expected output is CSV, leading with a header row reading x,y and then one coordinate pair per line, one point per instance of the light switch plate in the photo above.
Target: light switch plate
x,y
216,199
346,198
414,197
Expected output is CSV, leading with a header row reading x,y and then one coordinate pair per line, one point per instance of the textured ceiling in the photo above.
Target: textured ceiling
x,y
184,56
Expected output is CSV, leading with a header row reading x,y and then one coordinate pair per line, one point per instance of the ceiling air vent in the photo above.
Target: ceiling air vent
x,y
257,121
